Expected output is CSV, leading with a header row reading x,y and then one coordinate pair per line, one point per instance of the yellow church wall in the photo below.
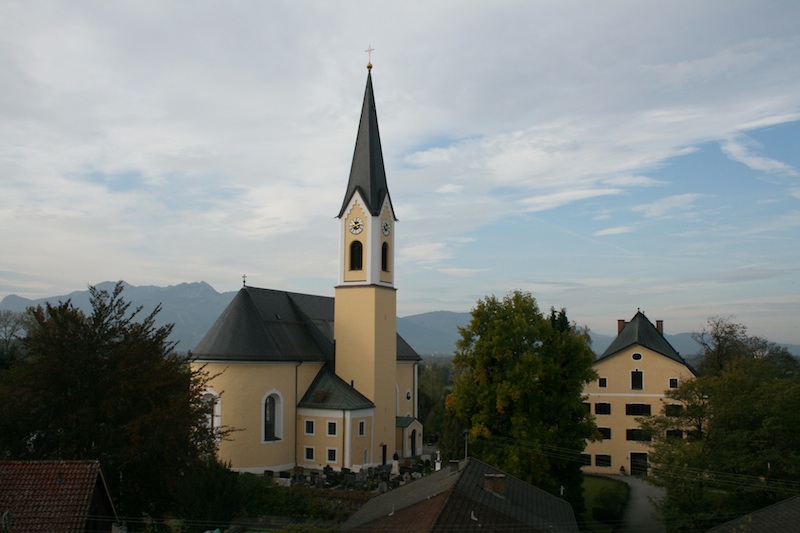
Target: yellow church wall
x,y
366,352
387,276
657,370
242,389
348,434
356,275
406,389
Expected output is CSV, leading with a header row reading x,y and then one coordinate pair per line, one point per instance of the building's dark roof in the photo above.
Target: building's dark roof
x,y
269,325
403,421
466,504
367,174
46,496
329,391
782,516
640,331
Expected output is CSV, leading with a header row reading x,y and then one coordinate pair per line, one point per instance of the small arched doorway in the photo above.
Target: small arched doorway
x,y
413,443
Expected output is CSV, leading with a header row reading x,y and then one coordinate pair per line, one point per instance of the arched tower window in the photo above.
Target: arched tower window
x,y
385,257
272,417
356,255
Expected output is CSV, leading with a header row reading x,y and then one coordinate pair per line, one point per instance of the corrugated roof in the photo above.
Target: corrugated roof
x,y
48,496
642,332
269,325
329,391
448,501
367,173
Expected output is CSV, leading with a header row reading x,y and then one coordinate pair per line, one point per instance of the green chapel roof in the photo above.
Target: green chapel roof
x,y
329,391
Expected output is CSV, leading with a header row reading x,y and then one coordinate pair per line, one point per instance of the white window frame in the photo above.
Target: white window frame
x,y
335,455
278,416
307,449
335,428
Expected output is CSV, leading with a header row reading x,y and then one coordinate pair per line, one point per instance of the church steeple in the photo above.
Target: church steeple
x,y
367,174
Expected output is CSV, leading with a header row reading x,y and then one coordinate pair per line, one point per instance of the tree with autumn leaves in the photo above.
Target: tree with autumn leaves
x,y
518,393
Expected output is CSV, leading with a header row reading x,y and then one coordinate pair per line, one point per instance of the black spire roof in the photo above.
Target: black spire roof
x,y
367,175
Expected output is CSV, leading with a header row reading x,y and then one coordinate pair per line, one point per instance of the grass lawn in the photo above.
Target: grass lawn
x,y
610,495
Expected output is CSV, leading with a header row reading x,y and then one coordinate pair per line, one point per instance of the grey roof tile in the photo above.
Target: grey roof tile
x,y
329,391
271,325
642,332
458,500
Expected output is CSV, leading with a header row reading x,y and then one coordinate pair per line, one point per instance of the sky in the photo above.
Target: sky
x,y
604,156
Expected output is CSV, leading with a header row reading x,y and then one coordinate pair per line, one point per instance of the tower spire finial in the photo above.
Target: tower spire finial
x,y
369,57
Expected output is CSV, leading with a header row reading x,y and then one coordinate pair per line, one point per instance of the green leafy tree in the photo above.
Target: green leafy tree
x,y
519,391
108,386
435,379
726,443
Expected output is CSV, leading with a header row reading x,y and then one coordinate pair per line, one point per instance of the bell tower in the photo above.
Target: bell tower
x,y
365,308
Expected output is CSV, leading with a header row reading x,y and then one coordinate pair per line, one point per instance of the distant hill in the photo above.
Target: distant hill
x,y
193,308
436,333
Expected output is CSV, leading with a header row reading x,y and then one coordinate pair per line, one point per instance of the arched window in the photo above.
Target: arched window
x,y
385,257
356,255
212,410
273,417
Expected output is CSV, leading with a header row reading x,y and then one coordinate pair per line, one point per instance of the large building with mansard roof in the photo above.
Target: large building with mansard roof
x,y
314,381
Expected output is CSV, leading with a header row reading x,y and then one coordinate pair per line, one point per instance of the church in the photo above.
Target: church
x,y
312,381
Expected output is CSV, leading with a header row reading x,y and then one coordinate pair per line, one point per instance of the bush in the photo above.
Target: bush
x,y
609,505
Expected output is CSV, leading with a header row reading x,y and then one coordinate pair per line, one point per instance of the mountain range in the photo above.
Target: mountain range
x,y
193,308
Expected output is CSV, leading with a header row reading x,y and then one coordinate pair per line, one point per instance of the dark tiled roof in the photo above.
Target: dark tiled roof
x,y
403,421
782,516
642,332
367,174
49,496
270,325
466,504
329,391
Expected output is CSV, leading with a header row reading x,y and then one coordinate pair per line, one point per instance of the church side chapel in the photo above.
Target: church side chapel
x,y
314,381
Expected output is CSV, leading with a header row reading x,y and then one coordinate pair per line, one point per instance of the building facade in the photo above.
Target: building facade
x,y
315,381
634,373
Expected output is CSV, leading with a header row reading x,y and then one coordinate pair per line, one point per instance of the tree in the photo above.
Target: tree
x,y
108,387
724,343
11,329
726,443
435,378
519,390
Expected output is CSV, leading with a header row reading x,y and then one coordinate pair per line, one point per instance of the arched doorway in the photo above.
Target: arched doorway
x,y
414,443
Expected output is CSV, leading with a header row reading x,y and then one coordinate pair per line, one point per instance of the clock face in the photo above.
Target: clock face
x,y
356,226
386,227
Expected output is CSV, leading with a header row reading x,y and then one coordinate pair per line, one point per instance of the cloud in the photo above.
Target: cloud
x,y
743,149
667,207
613,231
558,199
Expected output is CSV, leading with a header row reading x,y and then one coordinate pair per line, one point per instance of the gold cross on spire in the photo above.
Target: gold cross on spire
x,y
369,57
